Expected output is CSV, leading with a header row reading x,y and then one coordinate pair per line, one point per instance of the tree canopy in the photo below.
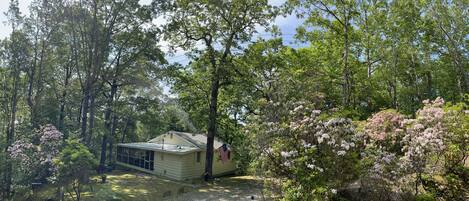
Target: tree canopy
x,y
98,72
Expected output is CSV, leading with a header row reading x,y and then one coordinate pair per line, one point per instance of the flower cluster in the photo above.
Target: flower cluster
x,y
22,151
385,125
37,158
424,135
303,143
401,147
50,134
50,142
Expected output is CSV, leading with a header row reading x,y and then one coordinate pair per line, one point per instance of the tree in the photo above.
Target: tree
x,y
15,54
220,26
336,18
133,59
73,166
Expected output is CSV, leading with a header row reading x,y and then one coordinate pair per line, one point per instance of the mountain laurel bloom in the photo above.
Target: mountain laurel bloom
x,y
384,125
304,143
401,146
35,157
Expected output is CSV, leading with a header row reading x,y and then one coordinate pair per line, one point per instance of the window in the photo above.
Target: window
x,y
136,157
198,157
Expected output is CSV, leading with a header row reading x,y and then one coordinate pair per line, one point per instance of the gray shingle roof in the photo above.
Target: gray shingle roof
x,y
160,147
199,140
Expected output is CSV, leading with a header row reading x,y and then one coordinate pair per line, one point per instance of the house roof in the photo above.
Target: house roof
x,y
160,147
198,142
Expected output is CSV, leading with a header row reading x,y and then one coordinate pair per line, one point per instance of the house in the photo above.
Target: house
x,y
175,155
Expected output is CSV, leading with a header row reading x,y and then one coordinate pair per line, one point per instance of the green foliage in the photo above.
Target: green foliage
x,y
94,69
73,166
425,197
74,162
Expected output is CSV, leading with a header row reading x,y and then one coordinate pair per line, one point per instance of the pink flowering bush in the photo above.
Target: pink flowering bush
x,y
385,127
424,139
408,153
50,142
36,159
452,183
24,153
313,156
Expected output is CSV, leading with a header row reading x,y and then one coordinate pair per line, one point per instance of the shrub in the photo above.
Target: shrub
x,y
312,155
73,165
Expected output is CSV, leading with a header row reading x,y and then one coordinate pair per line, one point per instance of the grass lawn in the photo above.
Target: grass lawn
x,y
130,185
125,185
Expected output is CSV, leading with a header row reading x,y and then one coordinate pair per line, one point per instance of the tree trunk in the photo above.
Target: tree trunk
x,y
91,75
212,123
107,125
429,85
11,134
111,139
39,88
346,71
91,119
124,131
63,102
84,111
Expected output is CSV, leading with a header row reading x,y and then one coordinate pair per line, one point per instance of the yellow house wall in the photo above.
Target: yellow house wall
x,y
193,169
169,166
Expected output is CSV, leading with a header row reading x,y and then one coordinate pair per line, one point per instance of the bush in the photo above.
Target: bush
x,y
73,166
312,155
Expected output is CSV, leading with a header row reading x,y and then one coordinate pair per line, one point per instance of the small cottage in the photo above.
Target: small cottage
x,y
175,155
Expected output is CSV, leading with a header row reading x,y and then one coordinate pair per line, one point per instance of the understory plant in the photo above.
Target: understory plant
x,y
35,154
424,155
312,156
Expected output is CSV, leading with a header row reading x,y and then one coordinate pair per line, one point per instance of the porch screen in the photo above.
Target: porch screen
x,y
136,157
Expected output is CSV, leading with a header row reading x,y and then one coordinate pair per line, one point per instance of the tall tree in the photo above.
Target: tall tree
x,y
335,17
16,57
134,54
220,26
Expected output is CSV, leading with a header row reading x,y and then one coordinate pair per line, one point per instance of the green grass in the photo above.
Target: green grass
x,y
138,186
121,185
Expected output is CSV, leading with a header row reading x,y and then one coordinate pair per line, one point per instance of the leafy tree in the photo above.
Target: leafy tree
x,y
220,26
73,166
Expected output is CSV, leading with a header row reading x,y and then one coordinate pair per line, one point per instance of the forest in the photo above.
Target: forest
x,y
374,92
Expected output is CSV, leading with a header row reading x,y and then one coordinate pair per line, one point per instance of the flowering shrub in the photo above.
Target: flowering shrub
x,y
409,154
312,155
23,152
36,159
385,129
452,183
424,139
